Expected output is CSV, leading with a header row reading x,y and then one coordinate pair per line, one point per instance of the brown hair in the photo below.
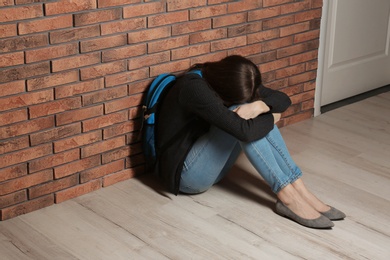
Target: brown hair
x,y
235,79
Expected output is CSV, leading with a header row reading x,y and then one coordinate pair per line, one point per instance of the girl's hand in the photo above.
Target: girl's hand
x,y
251,110
276,117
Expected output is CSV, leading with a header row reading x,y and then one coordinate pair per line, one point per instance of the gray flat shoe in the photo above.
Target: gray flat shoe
x,y
334,214
321,222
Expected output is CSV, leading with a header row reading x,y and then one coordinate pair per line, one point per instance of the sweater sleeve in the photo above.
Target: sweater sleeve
x,y
198,98
276,100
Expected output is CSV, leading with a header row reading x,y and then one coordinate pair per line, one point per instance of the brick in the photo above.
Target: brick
x,y
174,5
143,9
301,97
54,160
303,57
46,24
11,59
263,57
122,152
294,29
295,7
74,34
244,29
264,13
104,95
278,22
51,187
247,50
11,88
138,87
291,110
23,72
135,160
275,2
227,20
308,15
76,191
123,26
120,176
122,103
278,84
171,43
124,52
193,50
7,3
78,115
25,182
54,79
276,44
23,42
190,27
263,36
20,13
14,144
207,12
290,71
104,146
297,48
148,60
245,5
298,117
228,43
208,57
105,3
12,172
77,141
316,3
79,88
50,53
103,43
103,121
311,65
149,34
27,99
293,90
100,16
76,166
302,77
102,70
26,127
13,198
55,134
309,85
119,129
75,61
126,77
174,66
307,36
13,117
101,171
26,207
273,65
307,105
69,6
55,107
167,18
8,30
210,35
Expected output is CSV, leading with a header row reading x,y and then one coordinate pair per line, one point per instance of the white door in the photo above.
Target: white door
x,y
354,50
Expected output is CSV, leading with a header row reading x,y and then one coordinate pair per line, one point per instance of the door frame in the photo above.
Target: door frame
x,y
321,58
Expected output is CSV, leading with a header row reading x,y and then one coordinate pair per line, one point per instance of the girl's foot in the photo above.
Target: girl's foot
x,y
317,204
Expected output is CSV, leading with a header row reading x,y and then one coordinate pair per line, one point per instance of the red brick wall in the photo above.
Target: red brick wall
x,y
72,75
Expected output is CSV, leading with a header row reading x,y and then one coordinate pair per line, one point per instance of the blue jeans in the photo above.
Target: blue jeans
x,y
213,155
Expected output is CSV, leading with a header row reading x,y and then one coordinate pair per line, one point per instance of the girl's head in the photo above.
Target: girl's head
x,y
235,79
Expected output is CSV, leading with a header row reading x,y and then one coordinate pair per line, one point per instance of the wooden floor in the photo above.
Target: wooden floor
x,y
345,155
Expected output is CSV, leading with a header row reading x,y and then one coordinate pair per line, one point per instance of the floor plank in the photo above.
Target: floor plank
x,y
345,157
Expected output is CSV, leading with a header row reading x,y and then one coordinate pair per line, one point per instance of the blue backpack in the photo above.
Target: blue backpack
x,y
154,95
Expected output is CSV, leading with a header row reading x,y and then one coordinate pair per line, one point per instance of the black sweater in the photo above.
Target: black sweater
x,y
188,110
